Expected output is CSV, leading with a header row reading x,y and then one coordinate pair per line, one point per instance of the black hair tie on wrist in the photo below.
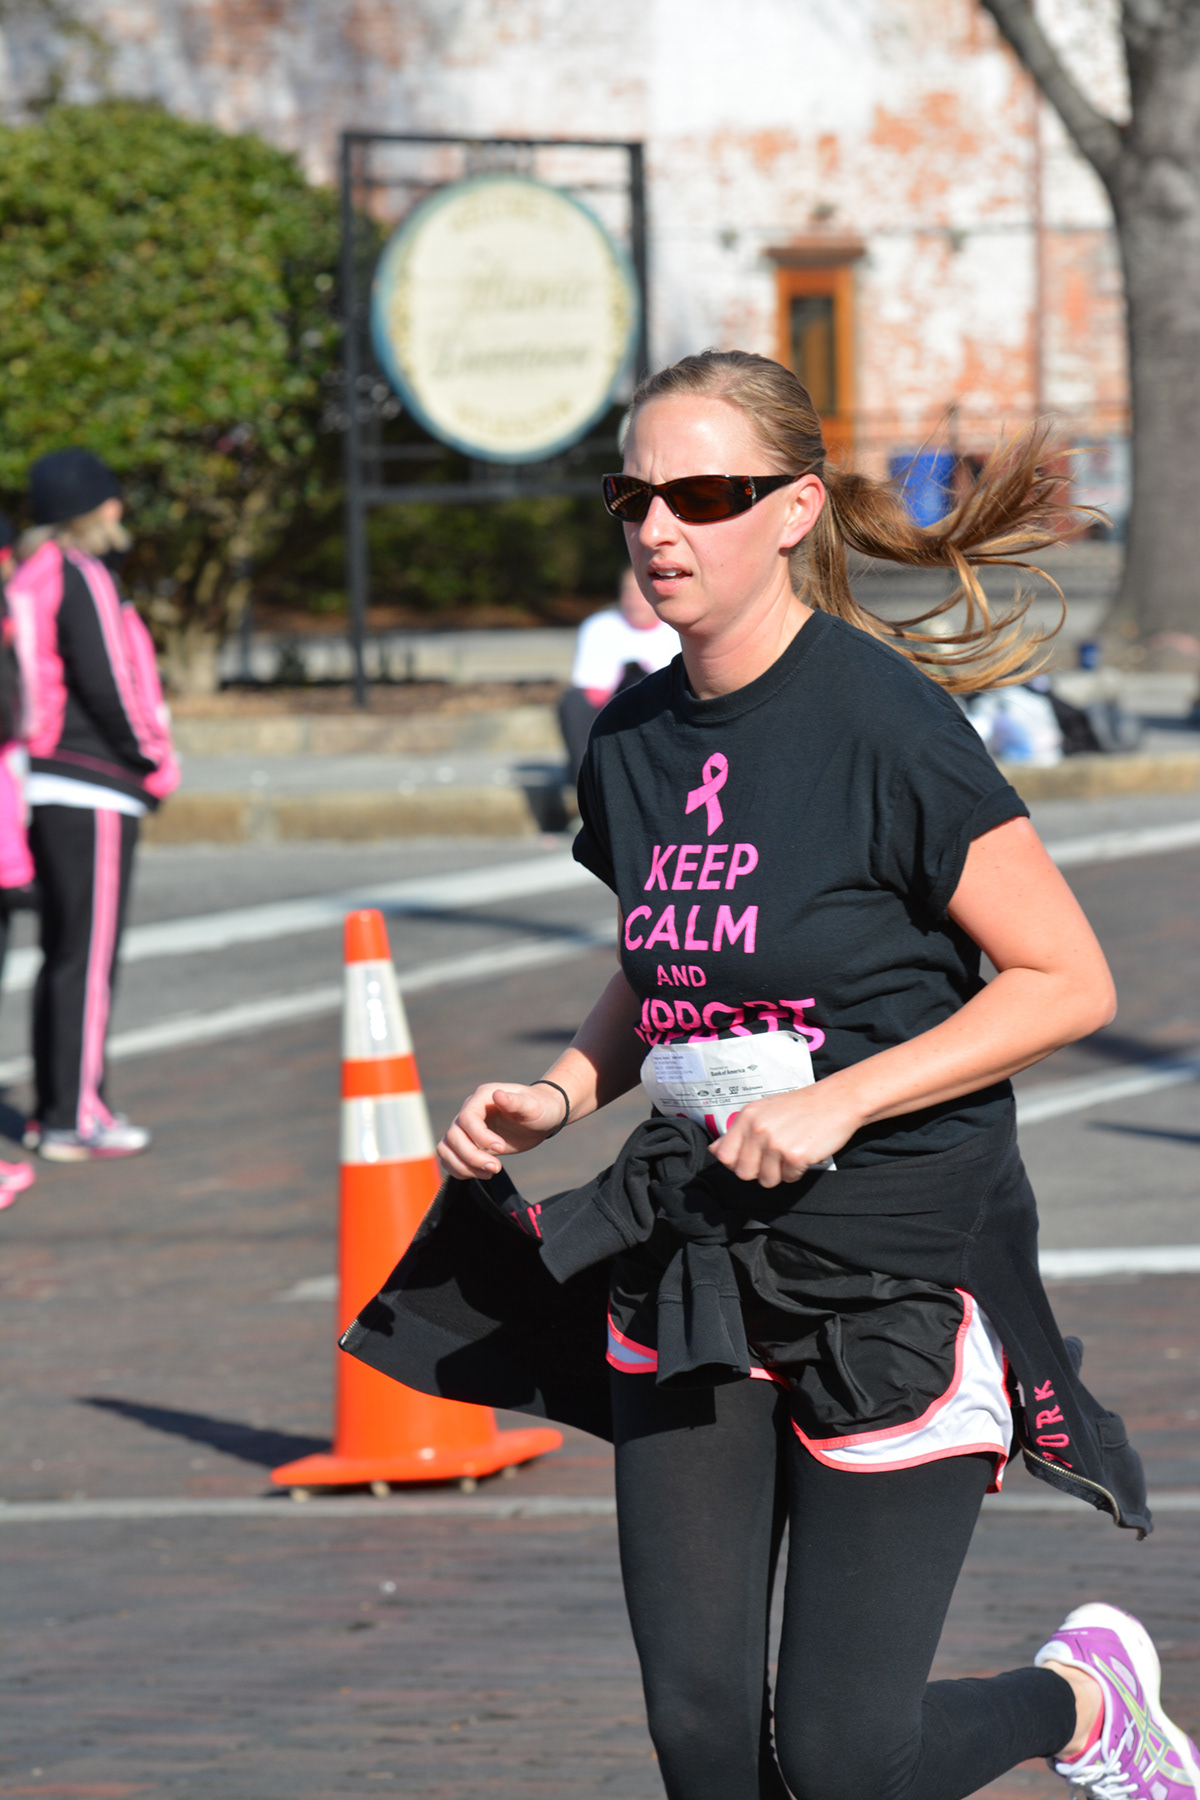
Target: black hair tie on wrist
x,y
542,1081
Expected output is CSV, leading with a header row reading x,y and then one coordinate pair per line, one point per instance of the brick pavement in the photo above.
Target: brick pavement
x,y
234,1660
265,1660
1145,915
248,1660
146,1352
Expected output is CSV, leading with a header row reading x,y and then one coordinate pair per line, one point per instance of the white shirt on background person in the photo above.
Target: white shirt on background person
x,y
610,639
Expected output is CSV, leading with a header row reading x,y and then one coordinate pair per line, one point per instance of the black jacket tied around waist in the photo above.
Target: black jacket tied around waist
x,y
503,1302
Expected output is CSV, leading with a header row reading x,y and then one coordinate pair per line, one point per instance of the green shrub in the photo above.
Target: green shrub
x,y
166,298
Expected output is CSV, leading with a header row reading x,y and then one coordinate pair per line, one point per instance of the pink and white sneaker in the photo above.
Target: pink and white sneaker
x,y
14,1179
1139,1754
113,1136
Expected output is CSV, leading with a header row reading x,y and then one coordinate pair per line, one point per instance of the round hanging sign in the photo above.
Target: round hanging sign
x,y
504,316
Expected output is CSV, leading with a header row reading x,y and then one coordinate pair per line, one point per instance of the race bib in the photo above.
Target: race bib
x,y
711,1082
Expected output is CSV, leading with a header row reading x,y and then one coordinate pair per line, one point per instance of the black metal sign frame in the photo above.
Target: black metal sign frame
x,y
379,169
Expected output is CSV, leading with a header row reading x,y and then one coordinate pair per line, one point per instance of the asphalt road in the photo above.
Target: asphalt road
x,y
151,1352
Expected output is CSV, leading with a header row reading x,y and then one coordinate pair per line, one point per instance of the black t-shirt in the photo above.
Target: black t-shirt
x,y
784,856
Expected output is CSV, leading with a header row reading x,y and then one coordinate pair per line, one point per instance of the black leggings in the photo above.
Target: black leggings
x,y
706,1479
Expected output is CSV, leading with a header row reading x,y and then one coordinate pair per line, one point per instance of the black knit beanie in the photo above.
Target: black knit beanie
x,y
65,484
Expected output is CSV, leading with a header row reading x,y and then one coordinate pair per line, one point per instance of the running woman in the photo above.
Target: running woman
x,y
100,758
852,851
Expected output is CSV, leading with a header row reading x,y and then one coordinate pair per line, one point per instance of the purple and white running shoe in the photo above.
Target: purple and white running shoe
x,y
1139,1754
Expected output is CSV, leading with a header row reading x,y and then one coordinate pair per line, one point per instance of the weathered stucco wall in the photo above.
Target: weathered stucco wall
x,y
988,287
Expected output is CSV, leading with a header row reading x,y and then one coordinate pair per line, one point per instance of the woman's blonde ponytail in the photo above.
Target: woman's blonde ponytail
x,y
1014,510
94,532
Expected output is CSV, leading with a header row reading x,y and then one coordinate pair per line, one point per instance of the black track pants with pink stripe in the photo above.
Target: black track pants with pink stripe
x,y
84,861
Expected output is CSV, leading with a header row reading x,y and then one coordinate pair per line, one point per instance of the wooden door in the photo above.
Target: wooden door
x,y
816,339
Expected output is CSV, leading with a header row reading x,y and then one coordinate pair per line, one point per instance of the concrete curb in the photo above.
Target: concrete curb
x,y
357,817
520,728
1107,777
466,1509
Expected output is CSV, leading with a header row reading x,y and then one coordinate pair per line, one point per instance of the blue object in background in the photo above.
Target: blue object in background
x,y
926,483
1090,654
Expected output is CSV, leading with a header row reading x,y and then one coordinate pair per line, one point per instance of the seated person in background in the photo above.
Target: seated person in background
x,y
615,648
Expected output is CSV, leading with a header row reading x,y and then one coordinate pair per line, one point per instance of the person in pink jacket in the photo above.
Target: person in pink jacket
x,y
16,864
100,758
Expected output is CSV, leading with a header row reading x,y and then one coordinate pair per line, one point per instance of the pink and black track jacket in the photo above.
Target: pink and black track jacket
x,y
16,863
93,703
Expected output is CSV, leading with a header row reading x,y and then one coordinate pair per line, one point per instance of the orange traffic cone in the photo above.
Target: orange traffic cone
x,y
385,1432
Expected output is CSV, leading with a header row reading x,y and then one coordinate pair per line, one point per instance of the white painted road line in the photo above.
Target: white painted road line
x,y
1053,1099
229,1021
1167,1500
323,912
1115,846
445,1506
532,953
280,1506
281,1009
1055,1265
1133,1259
1045,1100
484,886
313,1287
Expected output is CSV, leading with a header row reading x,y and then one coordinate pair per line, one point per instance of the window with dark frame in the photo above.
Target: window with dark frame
x,y
813,347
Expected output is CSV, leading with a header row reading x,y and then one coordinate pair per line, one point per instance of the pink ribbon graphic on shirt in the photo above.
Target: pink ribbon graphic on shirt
x,y
716,773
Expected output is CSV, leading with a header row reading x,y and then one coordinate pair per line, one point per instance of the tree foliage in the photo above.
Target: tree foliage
x,y
528,559
520,554
166,299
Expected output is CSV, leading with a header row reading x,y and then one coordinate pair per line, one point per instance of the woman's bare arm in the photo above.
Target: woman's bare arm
x,y
1052,986
601,1062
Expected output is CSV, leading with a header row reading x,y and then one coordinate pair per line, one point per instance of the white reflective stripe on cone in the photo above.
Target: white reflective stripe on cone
x,y
392,1128
373,1020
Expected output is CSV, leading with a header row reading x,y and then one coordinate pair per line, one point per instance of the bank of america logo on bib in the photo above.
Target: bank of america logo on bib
x,y
714,776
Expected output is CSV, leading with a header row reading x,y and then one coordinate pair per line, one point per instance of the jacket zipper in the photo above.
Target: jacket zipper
x,y
1070,1475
